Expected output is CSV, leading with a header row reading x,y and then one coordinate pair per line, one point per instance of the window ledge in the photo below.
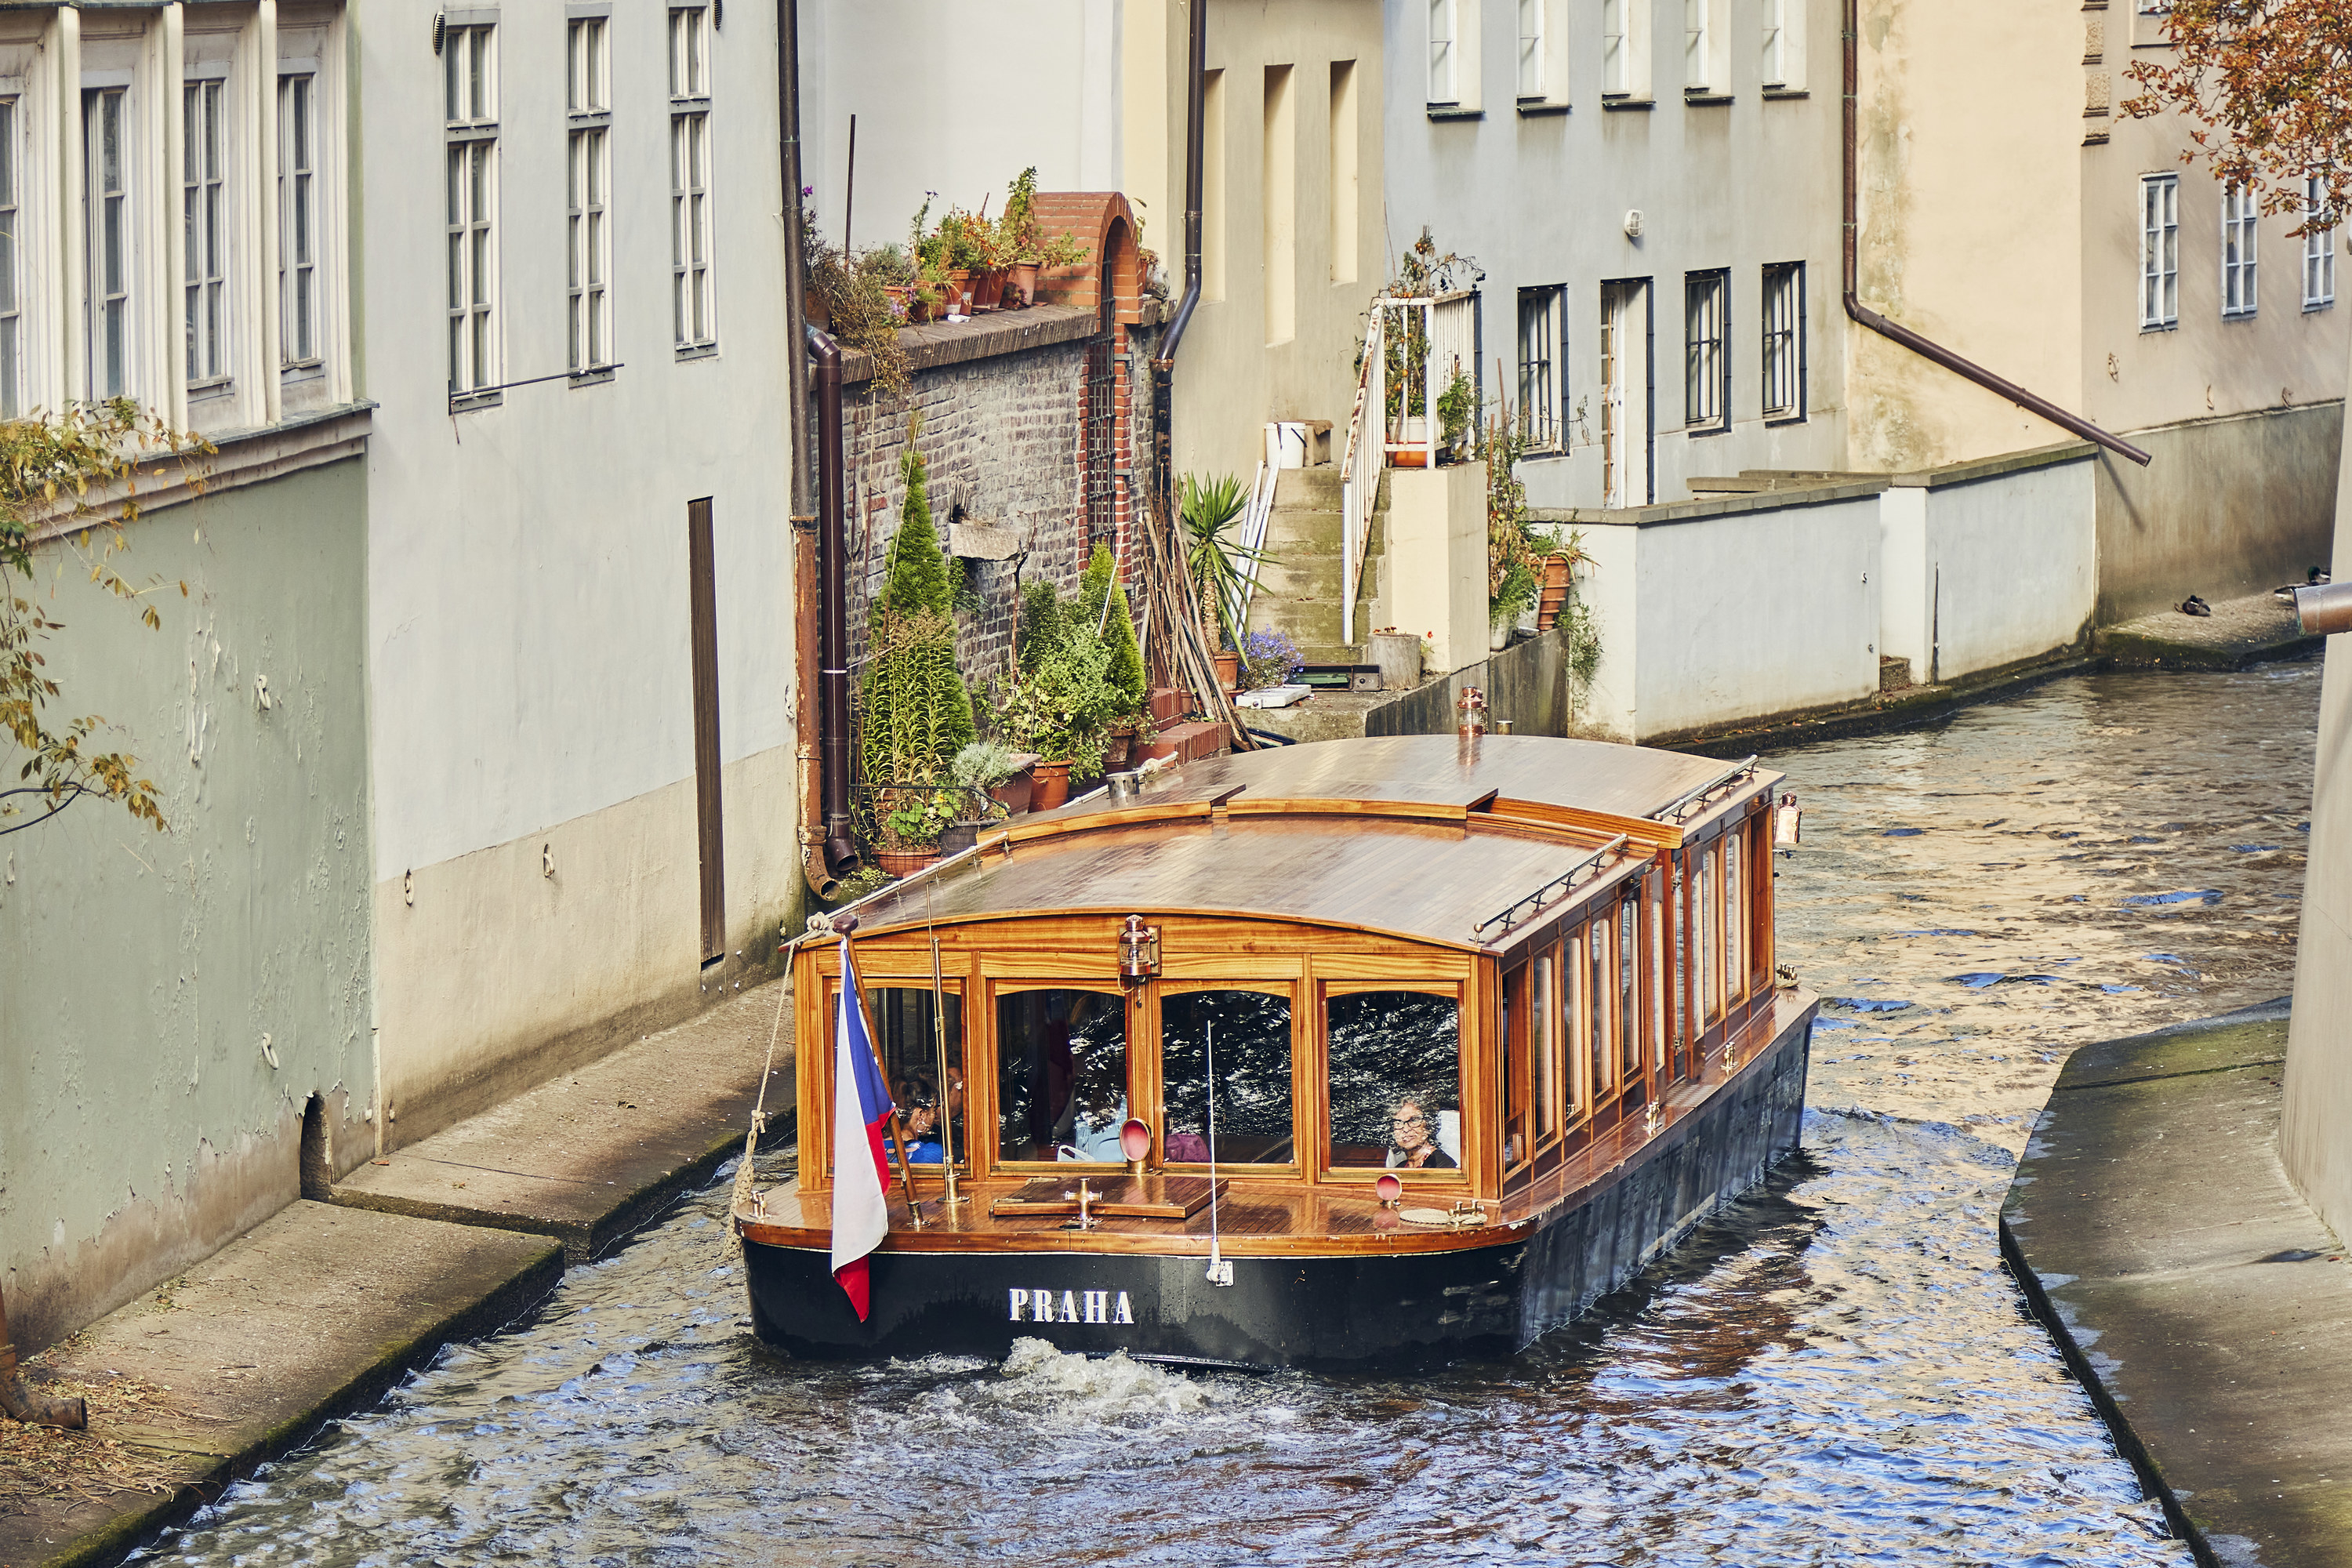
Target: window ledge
x,y
1780,94
2241,315
597,376
1702,97
1623,102
2313,307
1773,420
1533,107
239,457
699,351
1706,430
1454,111
467,401
2147,327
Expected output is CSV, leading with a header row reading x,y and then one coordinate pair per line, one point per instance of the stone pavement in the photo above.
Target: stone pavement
x,y
325,1305
2238,632
592,1156
2204,1306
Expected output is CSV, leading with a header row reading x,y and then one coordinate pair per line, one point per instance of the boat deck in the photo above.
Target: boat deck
x,y
1259,1216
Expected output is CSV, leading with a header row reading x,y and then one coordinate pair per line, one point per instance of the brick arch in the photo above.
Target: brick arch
x,y
1104,223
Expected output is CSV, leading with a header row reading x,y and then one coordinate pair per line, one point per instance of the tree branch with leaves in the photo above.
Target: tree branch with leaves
x,y
2261,84
76,477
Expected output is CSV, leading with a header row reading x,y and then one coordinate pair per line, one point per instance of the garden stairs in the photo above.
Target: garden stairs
x,y
1300,584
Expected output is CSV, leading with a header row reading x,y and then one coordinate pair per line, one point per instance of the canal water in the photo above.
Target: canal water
x,y
1835,1371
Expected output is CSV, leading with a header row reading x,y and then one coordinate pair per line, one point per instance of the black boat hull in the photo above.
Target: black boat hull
x,y
1305,1309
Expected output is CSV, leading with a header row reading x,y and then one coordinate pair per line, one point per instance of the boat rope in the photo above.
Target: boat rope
x,y
1510,913
745,1197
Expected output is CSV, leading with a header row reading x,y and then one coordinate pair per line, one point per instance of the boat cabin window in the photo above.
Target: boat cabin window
x,y
1061,1075
1710,935
1518,1066
1245,1037
1395,1080
1543,1018
1735,915
902,1018
1626,940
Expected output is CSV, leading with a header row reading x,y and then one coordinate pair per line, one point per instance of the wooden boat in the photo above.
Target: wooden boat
x,y
1490,1022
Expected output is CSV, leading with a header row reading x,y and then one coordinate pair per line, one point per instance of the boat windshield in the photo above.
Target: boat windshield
x,y
1396,1080
1061,1075
1248,1034
912,1048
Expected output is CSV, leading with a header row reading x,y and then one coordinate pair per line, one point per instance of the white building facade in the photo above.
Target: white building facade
x,y
580,611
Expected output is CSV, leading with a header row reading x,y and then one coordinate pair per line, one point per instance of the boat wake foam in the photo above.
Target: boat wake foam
x,y
1102,1386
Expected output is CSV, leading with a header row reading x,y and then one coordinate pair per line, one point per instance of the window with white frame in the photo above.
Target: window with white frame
x,y
299,324
1707,402
1698,44
469,58
1784,341
2319,250
1542,366
1442,62
203,213
2238,215
107,129
12,315
1532,63
1616,49
589,184
2151,18
690,167
1783,54
2159,251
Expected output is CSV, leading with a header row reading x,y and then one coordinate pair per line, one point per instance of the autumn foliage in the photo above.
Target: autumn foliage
x,y
2265,87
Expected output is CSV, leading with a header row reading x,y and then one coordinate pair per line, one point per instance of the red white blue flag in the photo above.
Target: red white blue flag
x,y
861,1115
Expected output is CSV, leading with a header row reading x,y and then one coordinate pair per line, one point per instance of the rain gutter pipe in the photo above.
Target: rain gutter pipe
x,y
833,694
1864,315
1163,368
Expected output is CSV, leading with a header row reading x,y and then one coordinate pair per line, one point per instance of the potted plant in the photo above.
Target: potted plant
x,y
1514,598
1267,658
1061,702
1211,509
1456,406
996,771
911,830
918,712
1102,598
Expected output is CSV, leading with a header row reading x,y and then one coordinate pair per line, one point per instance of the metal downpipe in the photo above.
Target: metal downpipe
x,y
1926,348
1163,365
833,674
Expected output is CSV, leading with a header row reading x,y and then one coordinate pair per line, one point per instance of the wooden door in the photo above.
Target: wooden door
x,y
702,591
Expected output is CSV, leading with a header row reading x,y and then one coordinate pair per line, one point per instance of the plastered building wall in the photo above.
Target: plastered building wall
x,y
536,867
147,980
1539,195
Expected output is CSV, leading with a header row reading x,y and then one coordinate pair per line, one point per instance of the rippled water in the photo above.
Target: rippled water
x,y
1836,1371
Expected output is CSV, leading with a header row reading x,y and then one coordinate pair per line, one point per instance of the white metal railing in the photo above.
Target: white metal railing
x,y
1360,468
1256,518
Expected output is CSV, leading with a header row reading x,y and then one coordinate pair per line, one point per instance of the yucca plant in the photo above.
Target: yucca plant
x,y
1212,508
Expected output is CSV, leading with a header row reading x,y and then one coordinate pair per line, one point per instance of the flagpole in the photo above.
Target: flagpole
x,y
905,1170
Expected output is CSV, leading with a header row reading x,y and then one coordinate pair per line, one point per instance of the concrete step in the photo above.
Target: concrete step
x,y
1317,487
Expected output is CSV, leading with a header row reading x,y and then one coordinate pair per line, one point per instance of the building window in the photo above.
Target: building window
x,y
1541,311
1532,82
589,184
1783,60
689,177
1698,40
2318,251
1784,341
203,211
2159,251
470,55
1706,402
12,318
106,129
2238,220
298,221
1616,49
1442,88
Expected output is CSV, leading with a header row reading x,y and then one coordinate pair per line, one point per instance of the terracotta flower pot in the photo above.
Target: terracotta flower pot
x,y
1554,597
904,862
988,289
1014,793
1115,748
1052,787
897,294
959,287
1228,669
1022,276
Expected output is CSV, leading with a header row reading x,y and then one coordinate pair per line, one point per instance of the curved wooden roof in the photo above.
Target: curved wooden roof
x,y
1412,835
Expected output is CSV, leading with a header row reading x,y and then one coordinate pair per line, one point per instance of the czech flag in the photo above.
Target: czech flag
x,y
861,1115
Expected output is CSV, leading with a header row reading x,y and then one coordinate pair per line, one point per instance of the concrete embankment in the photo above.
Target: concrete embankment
x,y
329,1303
2194,1293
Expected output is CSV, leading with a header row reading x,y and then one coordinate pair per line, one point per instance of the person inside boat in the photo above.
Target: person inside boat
x,y
919,1122
1413,1141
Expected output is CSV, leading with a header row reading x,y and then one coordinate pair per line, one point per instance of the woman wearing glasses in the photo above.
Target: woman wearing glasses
x,y
1413,1143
